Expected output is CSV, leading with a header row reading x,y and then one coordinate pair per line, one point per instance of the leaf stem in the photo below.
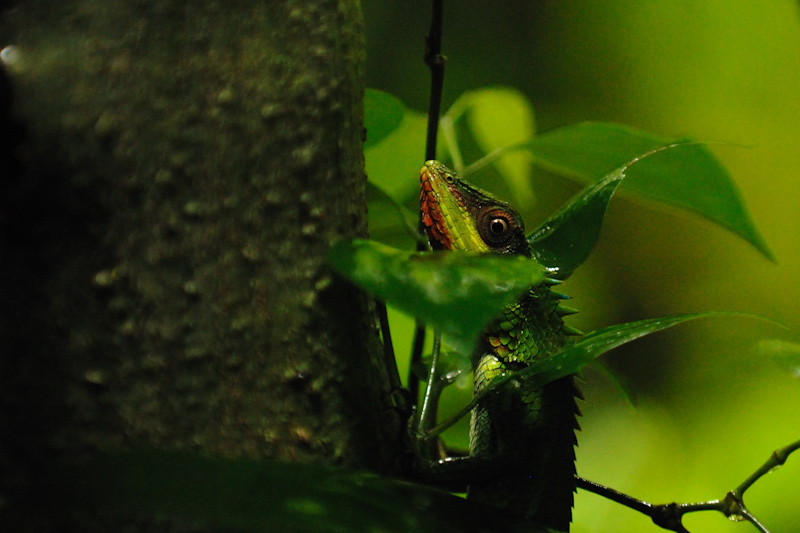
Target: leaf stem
x,y
430,403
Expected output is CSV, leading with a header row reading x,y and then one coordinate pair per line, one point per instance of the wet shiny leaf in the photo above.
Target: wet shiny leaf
x,y
564,241
689,177
459,292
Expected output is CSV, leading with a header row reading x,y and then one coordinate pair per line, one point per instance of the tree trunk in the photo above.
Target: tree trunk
x,y
184,169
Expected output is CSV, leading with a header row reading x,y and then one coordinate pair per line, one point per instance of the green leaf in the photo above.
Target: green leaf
x,y
394,164
615,379
565,240
785,354
383,114
497,117
598,342
390,223
459,292
690,177
573,358
215,494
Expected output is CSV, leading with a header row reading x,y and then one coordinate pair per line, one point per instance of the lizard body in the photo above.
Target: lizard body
x,y
528,433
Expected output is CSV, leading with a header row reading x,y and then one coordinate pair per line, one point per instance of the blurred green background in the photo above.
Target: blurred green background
x,y
709,407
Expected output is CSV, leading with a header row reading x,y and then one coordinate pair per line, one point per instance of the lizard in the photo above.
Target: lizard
x,y
527,437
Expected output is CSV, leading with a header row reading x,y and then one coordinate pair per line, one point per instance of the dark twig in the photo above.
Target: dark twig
x,y
435,61
416,358
777,459
669,516
613,495
401,400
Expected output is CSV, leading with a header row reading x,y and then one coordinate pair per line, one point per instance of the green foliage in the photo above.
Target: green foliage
x,y
486,121
689,177
393,162
674,172
435,289
458,293
383,113
574,358
389,222
564,241
708,408
594,344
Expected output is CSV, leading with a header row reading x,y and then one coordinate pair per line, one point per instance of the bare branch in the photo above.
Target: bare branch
x,y
776,460
669,516
435,61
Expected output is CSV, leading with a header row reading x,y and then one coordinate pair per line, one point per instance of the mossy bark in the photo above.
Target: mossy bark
x,y
184,169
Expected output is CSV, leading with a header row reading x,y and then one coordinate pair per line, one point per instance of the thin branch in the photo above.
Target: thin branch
x,y
416,358
613,495
435,61
669,516
753,520
776,460
388,348
400,398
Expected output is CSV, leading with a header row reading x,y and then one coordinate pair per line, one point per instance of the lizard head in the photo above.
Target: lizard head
x,y
458,216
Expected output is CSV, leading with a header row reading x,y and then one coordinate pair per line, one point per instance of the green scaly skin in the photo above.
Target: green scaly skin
x,y
527,434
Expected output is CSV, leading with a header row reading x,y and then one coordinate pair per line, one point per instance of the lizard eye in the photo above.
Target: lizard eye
x,y
496,226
